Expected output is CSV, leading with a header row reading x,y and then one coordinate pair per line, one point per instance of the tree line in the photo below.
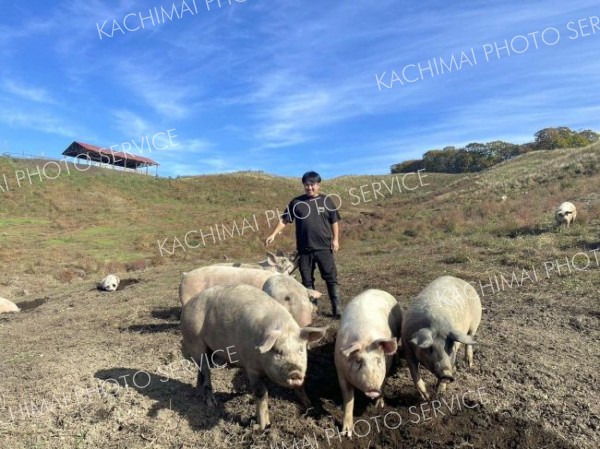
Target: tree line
x,y
477,156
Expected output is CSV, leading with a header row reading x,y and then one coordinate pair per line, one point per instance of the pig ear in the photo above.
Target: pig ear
x,y
313,294
269,341
423,338
462,338
312,334
351,348
389,345
271,258
295,266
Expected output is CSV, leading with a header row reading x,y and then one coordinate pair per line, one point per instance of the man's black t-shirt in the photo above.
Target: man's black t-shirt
x,y
314,217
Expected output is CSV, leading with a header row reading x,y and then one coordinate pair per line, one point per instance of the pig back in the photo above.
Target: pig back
x,y
371,315
448,303
202,278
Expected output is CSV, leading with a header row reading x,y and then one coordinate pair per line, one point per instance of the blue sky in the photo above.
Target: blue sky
x,y
289,86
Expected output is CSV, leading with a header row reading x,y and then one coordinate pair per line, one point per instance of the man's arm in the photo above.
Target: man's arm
x,y
282,224
284,219
335,228
334,218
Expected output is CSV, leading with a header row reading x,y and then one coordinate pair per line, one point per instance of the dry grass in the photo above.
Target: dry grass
x,y
538,340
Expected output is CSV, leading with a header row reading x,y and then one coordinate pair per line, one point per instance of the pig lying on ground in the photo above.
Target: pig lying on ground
x,y
283,288
278,263
267,340
565,214
364,346
7,306
444,315
109,283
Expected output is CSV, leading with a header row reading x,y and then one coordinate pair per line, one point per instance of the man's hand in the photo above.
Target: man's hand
x,y
335,245
276,231
335,230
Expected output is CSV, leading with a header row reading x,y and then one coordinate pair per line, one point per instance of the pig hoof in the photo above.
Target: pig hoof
x,y
308,410
303,399
440,389
379,403
306,405
210,401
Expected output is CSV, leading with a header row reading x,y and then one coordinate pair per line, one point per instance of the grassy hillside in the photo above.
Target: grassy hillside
x,y
537,338
86,223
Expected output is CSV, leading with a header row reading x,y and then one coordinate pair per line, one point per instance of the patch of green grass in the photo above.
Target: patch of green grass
x,y
97,231
455,259
63,240
12,221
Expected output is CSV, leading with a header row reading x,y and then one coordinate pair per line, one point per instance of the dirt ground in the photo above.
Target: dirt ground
x,y
534,383
81,368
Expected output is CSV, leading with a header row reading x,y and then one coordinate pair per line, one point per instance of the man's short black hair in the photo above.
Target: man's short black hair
x,y
311,177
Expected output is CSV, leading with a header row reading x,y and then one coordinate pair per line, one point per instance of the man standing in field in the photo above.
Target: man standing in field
x,y
317,236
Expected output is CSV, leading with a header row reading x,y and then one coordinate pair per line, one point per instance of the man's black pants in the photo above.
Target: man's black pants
x,y
323,258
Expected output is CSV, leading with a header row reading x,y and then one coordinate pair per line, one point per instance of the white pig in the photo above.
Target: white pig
x,y
278,263
565,214
110,283
267,340
283,288
444,315
7,306
364,347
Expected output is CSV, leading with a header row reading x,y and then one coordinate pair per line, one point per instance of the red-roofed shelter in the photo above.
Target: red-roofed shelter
x,y
93,153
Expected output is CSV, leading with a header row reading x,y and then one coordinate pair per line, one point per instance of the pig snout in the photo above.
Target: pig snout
x,y
295,379
446,378
373,393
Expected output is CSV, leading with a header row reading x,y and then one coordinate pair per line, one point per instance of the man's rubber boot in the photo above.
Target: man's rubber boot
x,y
334,296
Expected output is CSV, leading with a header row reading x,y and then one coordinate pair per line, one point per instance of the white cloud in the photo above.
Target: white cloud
x,y
131,124
294,77
39,121
35,94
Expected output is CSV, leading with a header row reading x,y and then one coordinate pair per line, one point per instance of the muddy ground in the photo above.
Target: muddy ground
x,y
534,383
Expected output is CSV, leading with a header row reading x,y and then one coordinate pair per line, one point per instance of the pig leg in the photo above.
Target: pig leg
x,y
440,388
204,384
469,348
262,400
455,349
413,366
302,397
469,355
348,399
204,387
